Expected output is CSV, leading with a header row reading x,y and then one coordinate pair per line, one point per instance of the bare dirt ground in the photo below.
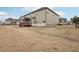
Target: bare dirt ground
x,y
14,38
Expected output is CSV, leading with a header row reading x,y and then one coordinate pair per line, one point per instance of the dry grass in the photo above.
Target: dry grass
x,y
14,38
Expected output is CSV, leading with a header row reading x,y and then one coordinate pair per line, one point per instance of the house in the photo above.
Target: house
x,y
63,21
10,21
42,17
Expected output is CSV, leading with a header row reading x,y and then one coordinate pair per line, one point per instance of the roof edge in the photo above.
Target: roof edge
x,y
42,8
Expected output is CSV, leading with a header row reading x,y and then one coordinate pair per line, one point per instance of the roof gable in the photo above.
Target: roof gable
x,y
11,19
40,10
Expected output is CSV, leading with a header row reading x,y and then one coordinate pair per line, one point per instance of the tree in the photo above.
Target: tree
x,y
75,20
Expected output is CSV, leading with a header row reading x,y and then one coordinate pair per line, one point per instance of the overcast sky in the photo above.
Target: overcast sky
x,y
16,12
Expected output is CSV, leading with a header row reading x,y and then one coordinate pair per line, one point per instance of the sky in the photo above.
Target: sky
x,y
16,12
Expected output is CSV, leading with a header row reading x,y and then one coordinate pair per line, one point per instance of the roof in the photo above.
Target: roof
x,y
40,10
11,19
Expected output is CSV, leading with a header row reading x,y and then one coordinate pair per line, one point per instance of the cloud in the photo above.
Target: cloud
x,y
29,8
52,8
62,14
33,8
4,15
11,16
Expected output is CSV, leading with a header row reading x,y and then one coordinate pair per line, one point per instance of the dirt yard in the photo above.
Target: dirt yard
x,y
44,39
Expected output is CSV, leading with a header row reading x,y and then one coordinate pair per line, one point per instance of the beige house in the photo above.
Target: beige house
x,y
10,21
42,17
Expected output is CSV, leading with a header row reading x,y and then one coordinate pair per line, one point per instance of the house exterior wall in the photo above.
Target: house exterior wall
x,y
7,22
37,18
43,18
52,19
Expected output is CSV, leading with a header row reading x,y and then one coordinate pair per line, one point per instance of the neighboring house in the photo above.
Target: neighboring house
x,y
62,20
10,21
42,17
